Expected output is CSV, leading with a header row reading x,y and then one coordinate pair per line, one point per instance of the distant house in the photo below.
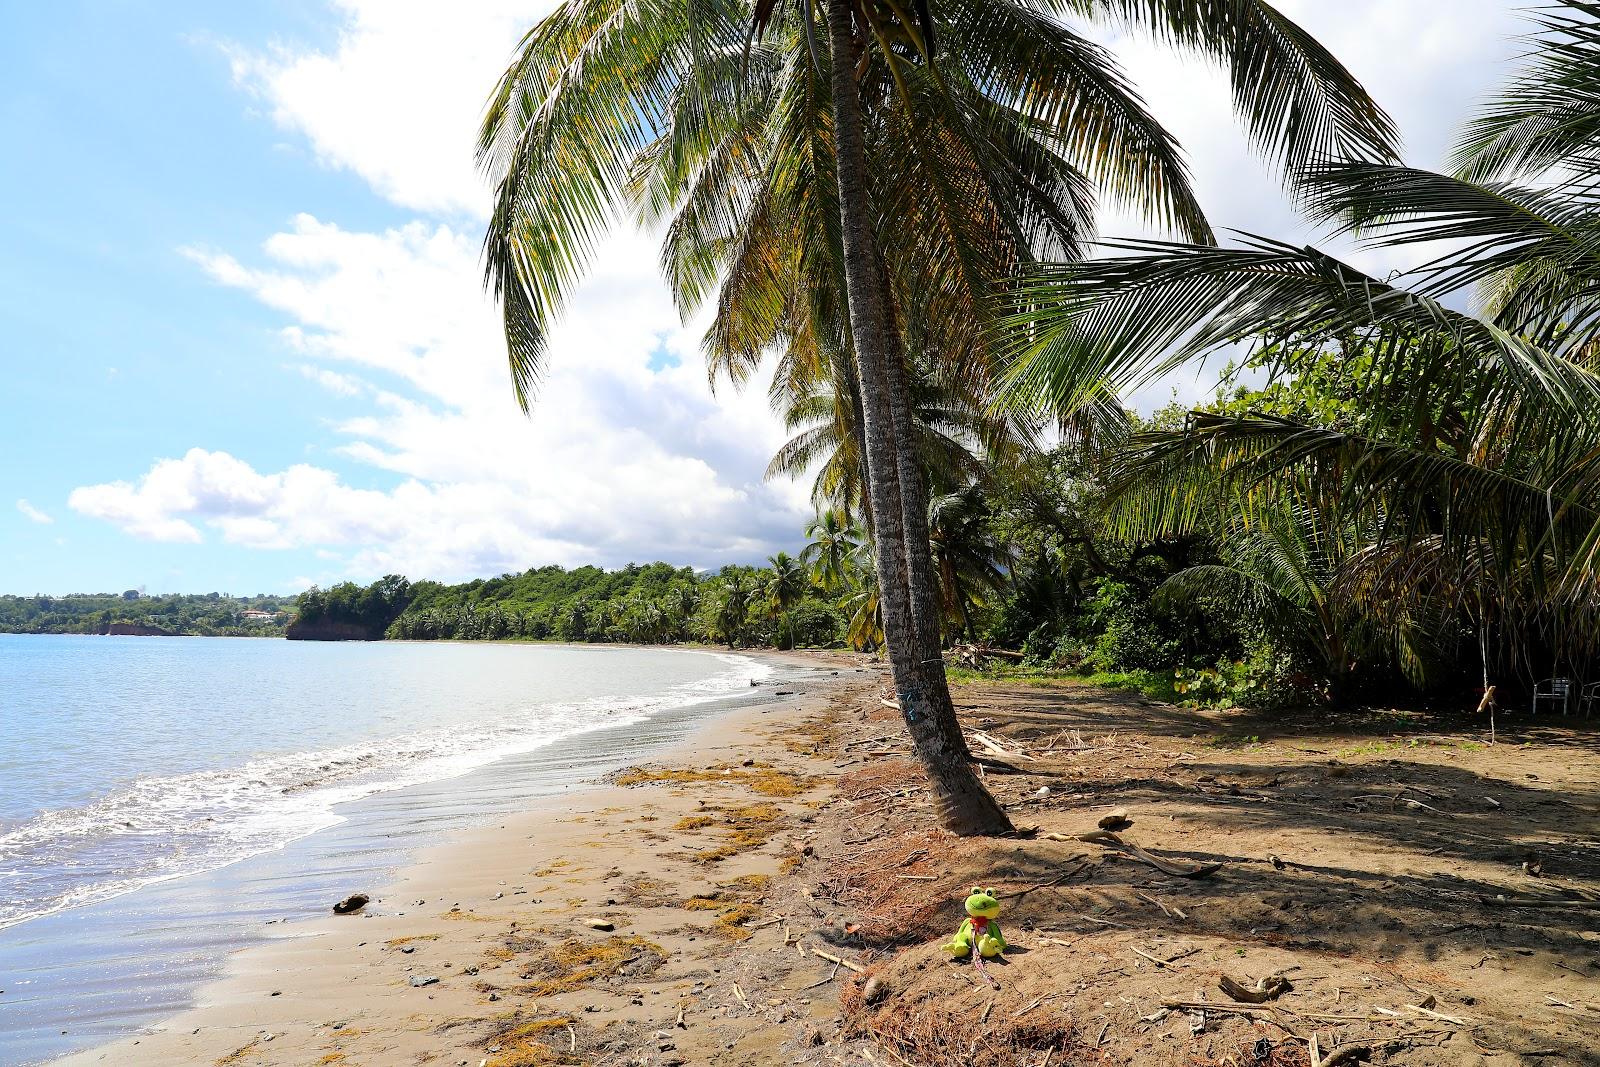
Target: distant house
x,y
253,614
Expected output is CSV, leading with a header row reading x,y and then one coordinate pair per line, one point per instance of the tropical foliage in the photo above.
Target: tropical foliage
x,y
654,604
199,614
1439,499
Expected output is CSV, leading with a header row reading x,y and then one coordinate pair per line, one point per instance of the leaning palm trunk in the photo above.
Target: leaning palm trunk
x,y
965,805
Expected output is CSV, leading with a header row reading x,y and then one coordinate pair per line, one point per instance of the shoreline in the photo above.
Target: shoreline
x,y
315,975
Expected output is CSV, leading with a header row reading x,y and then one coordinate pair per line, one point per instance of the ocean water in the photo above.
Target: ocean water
x,y
169,796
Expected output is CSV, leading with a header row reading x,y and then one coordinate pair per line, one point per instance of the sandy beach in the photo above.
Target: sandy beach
x,y
775,892
598,914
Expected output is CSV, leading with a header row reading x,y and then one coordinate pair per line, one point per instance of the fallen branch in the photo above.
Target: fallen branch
x,y
1157,960
1435,1015
1271,987
1537,902
1173,912
1342,1055
993,745
1107,838
1168,961
831,958
821,981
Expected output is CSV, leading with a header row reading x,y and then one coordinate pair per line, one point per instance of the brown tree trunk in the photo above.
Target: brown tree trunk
x,y
903,563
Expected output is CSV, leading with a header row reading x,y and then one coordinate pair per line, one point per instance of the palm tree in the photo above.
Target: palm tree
x,y
1473,470
965,554
785,587
953,435
756,158
681,603
864,630
833,543
731,616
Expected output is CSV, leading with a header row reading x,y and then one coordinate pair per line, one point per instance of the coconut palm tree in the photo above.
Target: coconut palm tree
x,y
966,555
784,588
954,436
864,610
832,548
757,159
730,617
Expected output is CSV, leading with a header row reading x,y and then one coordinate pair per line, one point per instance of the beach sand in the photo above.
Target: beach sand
x,y
483,948
1454,929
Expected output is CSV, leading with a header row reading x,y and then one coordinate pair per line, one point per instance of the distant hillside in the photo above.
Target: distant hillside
x,y
134,613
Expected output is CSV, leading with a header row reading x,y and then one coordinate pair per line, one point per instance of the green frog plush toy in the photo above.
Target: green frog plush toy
x,y
979,929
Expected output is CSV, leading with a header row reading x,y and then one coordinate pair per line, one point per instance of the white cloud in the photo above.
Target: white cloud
x,y
33,513
618,461
396,100
334,382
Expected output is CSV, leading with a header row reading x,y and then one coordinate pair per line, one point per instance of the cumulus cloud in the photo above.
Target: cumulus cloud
x,y
33,514
396,100
625,456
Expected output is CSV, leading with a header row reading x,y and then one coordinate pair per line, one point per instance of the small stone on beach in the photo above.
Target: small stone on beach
x,y
352,903
420,980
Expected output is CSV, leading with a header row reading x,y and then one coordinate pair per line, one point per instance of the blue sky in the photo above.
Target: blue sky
x,y
246,348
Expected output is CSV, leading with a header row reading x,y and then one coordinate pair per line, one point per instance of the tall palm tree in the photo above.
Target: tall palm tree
x,y
832,546
756,159
1475,467
953,435
784,588
681,604
730,617
966,556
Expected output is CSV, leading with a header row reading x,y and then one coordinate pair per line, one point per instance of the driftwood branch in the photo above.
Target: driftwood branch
x,y
831,958
1111,840
1269,988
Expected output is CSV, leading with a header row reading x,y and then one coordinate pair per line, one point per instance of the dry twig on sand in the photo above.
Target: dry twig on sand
x,y
1111,840
831,958
1271,987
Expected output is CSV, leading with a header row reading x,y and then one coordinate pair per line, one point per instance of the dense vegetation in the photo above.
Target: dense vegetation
x,y
896,200
1417,494
203,615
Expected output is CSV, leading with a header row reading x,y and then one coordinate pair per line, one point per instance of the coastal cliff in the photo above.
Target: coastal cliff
x,y
133,629
326,629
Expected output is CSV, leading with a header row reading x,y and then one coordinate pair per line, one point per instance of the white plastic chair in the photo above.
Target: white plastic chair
x,y
1552,691
1591,697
